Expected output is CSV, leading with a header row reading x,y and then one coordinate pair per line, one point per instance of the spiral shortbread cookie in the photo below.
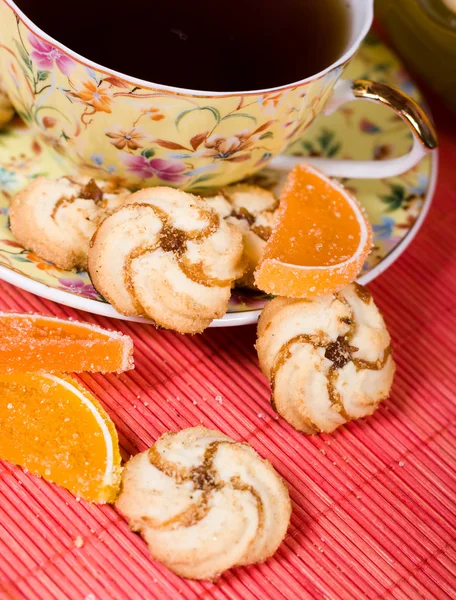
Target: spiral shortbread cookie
x,y
328,360
57,218
168,256
204,503
252,209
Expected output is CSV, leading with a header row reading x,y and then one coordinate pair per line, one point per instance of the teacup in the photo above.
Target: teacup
x,y
112,125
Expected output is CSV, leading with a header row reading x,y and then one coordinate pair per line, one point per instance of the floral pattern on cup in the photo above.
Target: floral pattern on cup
x,y
82,112
46,56
360,130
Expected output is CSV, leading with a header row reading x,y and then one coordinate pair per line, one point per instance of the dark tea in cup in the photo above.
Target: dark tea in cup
x,y
232,46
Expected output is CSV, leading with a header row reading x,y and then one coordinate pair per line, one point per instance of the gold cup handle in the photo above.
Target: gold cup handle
x,y
424,134
403,105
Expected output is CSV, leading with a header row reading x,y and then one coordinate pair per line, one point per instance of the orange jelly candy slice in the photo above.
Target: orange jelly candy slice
x,y
320,241
34,342
53,427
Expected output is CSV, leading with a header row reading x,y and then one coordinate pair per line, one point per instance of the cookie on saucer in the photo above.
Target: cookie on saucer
x,y
204,503
328,359
253,210
168,256
56,218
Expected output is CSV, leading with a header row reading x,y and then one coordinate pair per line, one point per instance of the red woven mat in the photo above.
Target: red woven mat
x,y
373,504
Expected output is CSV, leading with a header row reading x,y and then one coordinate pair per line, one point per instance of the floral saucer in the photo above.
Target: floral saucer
x,y
360,130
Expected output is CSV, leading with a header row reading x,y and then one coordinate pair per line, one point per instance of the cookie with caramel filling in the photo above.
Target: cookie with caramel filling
x,y
328,359
204,503
57,218
168,256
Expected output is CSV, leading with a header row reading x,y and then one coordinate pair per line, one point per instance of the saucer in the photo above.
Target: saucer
x,y
396,207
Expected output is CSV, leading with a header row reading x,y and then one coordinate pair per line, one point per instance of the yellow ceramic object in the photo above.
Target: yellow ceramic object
x,y
6,108
396,206
113,125
424,32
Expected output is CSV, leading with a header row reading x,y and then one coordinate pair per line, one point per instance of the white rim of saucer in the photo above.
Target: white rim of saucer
x,y
230,319
184,91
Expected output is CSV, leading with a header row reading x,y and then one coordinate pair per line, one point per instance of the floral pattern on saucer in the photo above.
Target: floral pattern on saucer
x,y
359,130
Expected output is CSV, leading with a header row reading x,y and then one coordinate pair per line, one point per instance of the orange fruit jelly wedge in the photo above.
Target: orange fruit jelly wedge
x,y
53,427
320,241
34,342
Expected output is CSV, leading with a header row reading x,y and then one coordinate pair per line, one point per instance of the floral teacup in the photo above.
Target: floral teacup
x,y
113,125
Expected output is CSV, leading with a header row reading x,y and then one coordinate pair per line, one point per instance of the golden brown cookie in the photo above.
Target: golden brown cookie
x,y
328,359
56,218
253,210
205,503
168,256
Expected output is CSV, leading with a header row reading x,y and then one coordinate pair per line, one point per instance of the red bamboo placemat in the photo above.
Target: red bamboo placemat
x,y
373,504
